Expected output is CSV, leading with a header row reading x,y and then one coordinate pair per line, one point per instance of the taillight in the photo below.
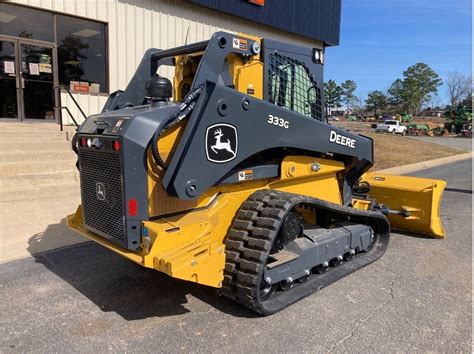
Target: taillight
x,y
132,207
116,145
83,142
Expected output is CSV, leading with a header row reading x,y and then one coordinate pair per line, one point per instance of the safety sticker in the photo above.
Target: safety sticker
x,y
238,43
246,175
117,126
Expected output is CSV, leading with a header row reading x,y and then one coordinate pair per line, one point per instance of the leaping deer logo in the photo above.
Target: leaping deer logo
x,y
219,145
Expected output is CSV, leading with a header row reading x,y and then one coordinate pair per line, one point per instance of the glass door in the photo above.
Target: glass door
x,y
36,81
9,80
26,79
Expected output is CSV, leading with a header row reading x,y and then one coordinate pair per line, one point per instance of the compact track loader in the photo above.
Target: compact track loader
x,y
231,177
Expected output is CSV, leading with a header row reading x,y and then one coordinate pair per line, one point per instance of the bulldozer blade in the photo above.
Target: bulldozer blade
x,y
414,203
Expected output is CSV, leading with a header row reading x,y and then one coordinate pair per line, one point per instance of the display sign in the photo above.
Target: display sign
x,y
81,87
257,2
9,67
45,68
34,69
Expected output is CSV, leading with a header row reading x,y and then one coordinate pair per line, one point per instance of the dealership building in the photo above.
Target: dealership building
x,y
56,55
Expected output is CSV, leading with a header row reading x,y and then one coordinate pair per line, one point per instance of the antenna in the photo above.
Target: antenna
x,y
187,33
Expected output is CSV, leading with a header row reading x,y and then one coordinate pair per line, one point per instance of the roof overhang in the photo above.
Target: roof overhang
x,y
315,19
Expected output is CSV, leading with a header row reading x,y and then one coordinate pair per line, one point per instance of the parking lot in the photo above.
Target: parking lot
x,y
416,298
455,142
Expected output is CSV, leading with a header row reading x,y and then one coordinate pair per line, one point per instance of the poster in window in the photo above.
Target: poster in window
x,y
45,68
9,67
34,69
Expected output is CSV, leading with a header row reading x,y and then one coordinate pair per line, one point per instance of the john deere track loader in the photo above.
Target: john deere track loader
x,y
230,176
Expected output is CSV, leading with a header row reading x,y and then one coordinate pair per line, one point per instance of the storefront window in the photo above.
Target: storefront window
x,y
26,23
82,54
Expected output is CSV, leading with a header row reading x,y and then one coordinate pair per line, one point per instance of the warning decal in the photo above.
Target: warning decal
x,y
238,43
246,175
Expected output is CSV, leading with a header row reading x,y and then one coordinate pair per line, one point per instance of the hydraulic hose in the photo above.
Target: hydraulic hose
x,y
184,109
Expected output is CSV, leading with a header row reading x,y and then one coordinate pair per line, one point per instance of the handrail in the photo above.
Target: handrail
x,y
74,100
60,107
70,115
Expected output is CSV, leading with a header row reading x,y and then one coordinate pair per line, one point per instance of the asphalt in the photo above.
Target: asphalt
x,y
455,142
84,298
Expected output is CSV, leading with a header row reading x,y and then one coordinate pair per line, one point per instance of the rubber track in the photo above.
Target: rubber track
x,y
251,237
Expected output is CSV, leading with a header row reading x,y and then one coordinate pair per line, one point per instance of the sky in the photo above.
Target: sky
x,y
381,38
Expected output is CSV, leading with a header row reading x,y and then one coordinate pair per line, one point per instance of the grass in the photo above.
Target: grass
x,y
395,150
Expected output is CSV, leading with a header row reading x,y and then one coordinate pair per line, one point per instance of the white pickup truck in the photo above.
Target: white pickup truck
x,y
391,126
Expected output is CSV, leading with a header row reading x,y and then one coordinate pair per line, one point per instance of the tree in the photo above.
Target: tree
x,y
357,105
332,94
458,86
348,89
417,87
396,94
420,82
375,101
71,54
467,102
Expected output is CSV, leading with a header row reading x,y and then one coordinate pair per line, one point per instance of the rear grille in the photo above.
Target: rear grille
x,y
104,212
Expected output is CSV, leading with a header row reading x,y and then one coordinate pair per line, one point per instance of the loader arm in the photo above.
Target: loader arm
x,y
192,170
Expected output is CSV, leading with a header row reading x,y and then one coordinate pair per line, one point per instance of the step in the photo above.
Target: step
x,y
34,136
34,193
34,126
41,155
20,181
7,147
41,166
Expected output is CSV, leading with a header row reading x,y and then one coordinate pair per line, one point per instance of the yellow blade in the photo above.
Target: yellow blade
x,y
420,197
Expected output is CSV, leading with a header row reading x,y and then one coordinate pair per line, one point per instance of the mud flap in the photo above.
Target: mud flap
x,y
417,199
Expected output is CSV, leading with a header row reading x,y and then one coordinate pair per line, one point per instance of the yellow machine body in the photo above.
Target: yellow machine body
x,y
190,245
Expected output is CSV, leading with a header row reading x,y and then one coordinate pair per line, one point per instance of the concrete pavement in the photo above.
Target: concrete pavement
x,y
86,298
39,184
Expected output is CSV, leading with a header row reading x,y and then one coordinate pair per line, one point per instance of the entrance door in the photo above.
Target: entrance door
x,y
37,80
9,80
26,80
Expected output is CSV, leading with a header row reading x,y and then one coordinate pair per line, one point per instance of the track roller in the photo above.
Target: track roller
x,y
287,284
321,268
349,256
305,277
336,262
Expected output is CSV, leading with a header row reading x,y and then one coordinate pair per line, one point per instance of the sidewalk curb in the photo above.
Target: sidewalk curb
x,y
418,166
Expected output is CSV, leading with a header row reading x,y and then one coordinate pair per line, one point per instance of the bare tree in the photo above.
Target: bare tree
x,y
458,86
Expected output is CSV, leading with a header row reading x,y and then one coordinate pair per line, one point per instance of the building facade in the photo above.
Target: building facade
x,y
92,47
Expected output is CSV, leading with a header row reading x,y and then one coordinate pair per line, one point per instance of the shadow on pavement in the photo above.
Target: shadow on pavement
x,y
116,284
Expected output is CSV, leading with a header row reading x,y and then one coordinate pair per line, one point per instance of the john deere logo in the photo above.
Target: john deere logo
x,y
221,143
100,191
